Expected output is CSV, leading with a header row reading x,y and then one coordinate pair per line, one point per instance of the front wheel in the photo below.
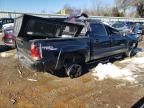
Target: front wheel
x,y
131,51
134,45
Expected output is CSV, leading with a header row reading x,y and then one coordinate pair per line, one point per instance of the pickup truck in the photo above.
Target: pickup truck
x,y
48,44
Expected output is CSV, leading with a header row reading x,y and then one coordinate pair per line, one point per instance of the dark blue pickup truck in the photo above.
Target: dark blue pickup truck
x,y
48,44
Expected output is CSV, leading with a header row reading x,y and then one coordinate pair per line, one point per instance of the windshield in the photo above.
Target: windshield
x,y
120,25
6,21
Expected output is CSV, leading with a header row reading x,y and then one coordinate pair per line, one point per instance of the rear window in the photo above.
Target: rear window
x,y
50,29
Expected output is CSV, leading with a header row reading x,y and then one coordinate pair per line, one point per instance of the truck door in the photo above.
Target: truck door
x,y
118,41
100,41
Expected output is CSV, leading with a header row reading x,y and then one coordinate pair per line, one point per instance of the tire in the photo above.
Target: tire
x,y
74,70
142,38
134,45
131,51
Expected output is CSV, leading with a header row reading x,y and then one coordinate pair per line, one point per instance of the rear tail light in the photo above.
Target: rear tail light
x,y
7,35
35,52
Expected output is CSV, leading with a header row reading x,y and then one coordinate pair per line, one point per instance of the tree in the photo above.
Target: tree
x,y
140,9
126,4
115,12
122,4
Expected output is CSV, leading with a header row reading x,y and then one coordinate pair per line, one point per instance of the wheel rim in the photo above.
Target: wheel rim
x,y
74,71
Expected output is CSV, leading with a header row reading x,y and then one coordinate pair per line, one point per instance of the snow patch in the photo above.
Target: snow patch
x,y
34,80
138,61
125,61
105,71
132,69
4,54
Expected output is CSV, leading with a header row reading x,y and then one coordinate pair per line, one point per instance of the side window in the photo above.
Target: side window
x,y
98,29
83,32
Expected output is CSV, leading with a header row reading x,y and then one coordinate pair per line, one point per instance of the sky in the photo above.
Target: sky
x,y
50,6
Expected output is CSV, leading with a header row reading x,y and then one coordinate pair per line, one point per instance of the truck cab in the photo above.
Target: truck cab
x,y
105,40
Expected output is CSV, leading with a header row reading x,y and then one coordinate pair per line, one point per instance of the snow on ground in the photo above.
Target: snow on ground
x,y
133,68
105,71
6,54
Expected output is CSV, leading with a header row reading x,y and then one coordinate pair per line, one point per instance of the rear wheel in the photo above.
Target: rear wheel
x,y
74,70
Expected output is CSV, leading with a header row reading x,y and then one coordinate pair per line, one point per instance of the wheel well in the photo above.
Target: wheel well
x,y
134,44
78,59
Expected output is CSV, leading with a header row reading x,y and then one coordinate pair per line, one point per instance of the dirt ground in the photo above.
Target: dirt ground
x,y
27,89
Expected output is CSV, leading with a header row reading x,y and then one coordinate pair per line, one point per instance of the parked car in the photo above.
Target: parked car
x,y
5,21
8,38
121,26
47,44
7,26
130,25
138,30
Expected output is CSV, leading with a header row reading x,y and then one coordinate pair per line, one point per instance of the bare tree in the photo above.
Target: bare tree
x,y
116,12
140,9
126,4
99,9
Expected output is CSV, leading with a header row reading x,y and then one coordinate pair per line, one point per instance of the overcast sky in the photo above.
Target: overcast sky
x,y
49,6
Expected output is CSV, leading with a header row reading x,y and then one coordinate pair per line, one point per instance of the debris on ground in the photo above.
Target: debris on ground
x,y
13,101
117,106
20,73
29,79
